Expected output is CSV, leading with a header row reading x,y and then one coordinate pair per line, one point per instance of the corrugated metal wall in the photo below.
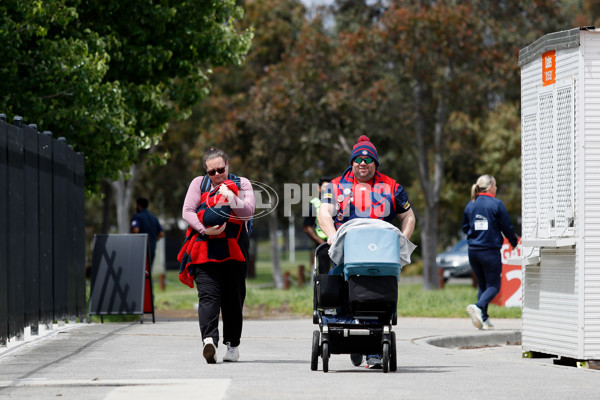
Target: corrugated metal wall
x,y
550,304
591,189
550,295
530,76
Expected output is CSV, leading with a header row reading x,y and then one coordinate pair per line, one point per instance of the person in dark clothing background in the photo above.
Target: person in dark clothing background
x,y
485,220
314,232
144,222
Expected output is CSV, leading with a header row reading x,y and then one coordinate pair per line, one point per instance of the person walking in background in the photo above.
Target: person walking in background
x,y
144,222
364,192
485,220
218,208
314,231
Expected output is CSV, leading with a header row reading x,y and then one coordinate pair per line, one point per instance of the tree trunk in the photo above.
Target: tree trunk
x,y
123,190
429,238
277,275
431,179
106,204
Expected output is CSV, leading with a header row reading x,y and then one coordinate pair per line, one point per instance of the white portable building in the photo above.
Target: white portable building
x,y
560,131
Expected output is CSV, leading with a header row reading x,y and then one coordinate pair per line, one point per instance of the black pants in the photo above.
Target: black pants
x,y
221,289
487,267
323,260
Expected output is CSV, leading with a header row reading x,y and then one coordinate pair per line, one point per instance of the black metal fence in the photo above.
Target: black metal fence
x,y
42,230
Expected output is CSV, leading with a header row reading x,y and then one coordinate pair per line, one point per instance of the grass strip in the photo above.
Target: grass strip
x,y
264,301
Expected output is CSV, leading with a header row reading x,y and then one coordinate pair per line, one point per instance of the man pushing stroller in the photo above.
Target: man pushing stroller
x,y
364,192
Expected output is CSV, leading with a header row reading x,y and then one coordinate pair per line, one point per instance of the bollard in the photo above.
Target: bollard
x,y
474,278
441,278
286,280
301,275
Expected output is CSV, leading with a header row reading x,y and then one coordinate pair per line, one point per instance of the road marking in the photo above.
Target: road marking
x,y
148,389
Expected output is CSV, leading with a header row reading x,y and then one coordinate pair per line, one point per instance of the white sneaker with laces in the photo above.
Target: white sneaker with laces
x,y
209,351
233,354
475,314
487,324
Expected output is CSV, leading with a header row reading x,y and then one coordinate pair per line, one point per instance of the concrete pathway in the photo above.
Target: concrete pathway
x,y
162,360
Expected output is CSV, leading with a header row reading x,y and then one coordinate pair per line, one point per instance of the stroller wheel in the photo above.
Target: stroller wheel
x,y
314,359
393,356
386,357
325,356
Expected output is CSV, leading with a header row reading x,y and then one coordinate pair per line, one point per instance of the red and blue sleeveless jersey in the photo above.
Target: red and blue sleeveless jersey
x,y
382,198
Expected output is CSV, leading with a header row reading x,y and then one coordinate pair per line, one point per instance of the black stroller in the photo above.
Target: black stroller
x,y
355,305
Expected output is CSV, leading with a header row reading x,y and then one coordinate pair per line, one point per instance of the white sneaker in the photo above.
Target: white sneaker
x,y
209,351
374,362
487,324
475,313
233,354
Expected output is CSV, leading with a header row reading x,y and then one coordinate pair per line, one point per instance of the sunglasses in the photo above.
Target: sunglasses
x,y
213,172
367,160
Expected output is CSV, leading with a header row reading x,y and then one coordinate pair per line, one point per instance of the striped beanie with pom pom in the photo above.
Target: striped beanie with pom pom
x,y
364,147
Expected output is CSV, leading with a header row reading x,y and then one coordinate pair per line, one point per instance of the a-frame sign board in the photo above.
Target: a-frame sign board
x,y
121,282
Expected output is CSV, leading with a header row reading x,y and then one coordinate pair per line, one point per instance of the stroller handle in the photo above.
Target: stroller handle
x,y
315,266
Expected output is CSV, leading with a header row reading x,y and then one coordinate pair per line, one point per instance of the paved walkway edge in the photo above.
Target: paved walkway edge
x,y
44,332
480,339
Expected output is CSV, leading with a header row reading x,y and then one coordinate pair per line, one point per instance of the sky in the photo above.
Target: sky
x,y
310,3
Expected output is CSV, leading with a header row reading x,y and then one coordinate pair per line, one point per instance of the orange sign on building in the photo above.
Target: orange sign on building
x,y
548,68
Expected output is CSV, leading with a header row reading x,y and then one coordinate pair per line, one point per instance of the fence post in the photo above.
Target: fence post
x,y
79,245
31,220
59,228
16,229
3,232
286,280
70,239
301,275
45,229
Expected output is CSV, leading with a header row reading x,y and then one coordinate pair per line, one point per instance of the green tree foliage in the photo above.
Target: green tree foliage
x,y
111,75
215,120
308,110
276,25
51,78
583,12
499,146
352,15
